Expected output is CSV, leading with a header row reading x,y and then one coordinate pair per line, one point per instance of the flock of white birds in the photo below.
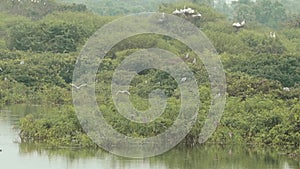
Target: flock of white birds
x,y
193,13
187,12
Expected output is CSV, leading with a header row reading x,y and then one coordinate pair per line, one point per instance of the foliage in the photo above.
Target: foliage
x,y
60,36
284,68
119,7
36,9
294,21
263,11
38,62
37,78
58,128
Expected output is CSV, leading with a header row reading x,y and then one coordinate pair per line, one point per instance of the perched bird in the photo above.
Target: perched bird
x,y
78,87
22,62
239,25
196,15
187,55
230,134
123,92
272,35
286,89
194,61
243,22
163,18
189,11
176,12
0,150
183,79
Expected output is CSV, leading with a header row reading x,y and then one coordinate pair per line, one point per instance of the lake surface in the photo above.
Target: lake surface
x,y
24,156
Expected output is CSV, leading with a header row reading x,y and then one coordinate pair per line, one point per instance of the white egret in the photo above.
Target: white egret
x,y
189,11
187,55
196,15
286,89
123,92
239,25
176,12
194,61
183,79
272,35
163,17
78,87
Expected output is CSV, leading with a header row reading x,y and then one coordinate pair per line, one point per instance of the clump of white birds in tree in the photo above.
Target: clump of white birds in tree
x,y
35,1
32,1
187,12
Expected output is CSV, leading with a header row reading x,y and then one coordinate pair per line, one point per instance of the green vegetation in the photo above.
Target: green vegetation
x,y
38,51
119,7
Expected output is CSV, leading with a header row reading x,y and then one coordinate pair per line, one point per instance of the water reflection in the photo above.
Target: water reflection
x,y
31,156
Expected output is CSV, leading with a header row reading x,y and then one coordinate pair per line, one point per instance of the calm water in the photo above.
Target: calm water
x,y
22,156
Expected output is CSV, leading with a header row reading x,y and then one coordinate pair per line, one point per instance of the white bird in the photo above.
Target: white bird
x,y
194,61
236,24
187,55
243,22
163,17
189,11
272,35
183,79
196,15
286,89
230,134
239,25
22,62
123,92
176,12
78,87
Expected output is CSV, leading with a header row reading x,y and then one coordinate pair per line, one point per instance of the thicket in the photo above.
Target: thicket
x,y
37,60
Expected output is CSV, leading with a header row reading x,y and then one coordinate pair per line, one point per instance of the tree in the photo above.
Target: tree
x,y
269,13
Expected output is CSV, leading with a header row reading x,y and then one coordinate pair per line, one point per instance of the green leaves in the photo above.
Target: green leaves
x,y
282,68
56,127
57,38
266,12
63,35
